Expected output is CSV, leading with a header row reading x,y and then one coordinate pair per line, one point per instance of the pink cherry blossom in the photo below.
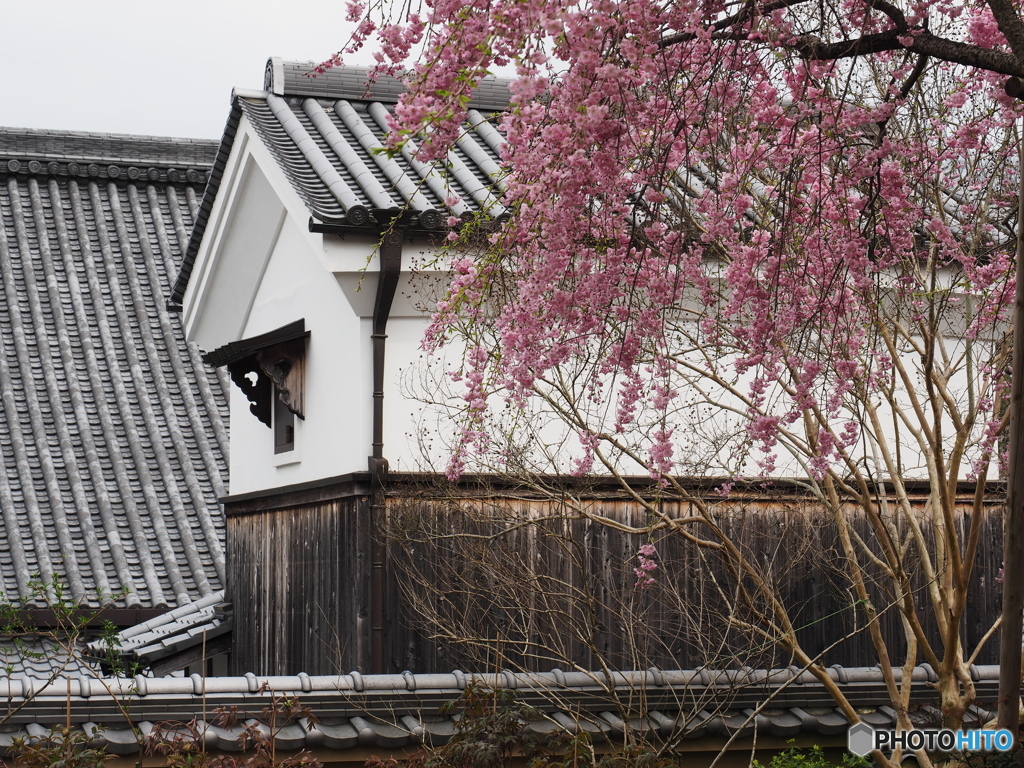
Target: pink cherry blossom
x,y
663,155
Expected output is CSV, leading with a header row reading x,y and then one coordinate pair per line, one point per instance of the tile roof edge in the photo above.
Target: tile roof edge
x,y
248,93
354,83
23,146
59,133
205,207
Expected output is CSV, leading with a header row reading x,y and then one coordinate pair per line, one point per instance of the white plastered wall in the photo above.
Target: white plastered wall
x,y
335,437
259,268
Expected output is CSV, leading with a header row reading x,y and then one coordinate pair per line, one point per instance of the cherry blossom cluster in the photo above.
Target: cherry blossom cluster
x,y
646,566
675,166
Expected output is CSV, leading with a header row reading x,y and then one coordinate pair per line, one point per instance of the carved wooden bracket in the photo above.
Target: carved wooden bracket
x,y
258,365
259,392
285,364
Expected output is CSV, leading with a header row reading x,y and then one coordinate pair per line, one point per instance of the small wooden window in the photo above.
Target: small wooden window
x,y
284,425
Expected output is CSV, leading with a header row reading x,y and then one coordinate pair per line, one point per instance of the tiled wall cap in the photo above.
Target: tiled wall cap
x,y
609,679
141,685
567,723
838,672
95,734
93,169
696,725
760,721
785,725
198,684
559,676
134,173
174,175
13,166
34,166
511,681
339,736
656,676
193,175
832,724
305,682
153,174
806,720
740,726
73,169
410,680
113,171
357,680
53,168
254,684
292,736
933,713
460,679
227,738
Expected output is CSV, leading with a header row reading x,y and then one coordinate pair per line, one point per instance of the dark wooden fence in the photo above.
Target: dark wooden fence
x,y
477,579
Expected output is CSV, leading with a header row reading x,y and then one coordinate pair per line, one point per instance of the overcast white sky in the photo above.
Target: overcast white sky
x,y
160,68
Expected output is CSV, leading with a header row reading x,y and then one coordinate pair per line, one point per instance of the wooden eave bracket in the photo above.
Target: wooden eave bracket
x,y
277,358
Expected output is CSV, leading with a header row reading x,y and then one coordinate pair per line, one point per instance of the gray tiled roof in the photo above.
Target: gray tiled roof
x,y
42,657
327,135
170,633
392,711
113,434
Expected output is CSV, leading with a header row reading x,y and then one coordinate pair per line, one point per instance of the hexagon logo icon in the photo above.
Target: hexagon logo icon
x,y
860,739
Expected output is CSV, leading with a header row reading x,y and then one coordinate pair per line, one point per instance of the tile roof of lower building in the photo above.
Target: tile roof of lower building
x,y
113,433
171,633
392,711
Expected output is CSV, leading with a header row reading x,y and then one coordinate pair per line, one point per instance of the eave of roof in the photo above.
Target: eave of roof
x,y
216,175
